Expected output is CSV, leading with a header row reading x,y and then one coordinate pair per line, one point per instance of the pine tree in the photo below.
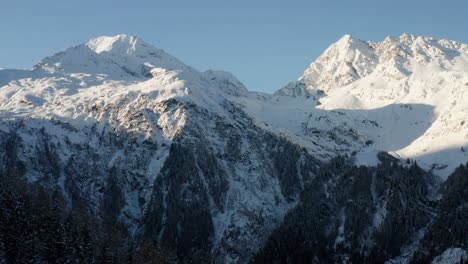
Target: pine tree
x,y
87,245
55,242
2,251
130,254
73,249
105,255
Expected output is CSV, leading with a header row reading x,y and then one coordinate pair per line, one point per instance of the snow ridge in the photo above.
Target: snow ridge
x,y
424,76
355,98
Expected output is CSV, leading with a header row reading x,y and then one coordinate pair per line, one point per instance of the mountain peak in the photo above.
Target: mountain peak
x,y
345,38
347,42
406,37
343,62
118,55
350,59
120,43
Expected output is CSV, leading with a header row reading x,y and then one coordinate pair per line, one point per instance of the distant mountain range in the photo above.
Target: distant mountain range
x,y
362,159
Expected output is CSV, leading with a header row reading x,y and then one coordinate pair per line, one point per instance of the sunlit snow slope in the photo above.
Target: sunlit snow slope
x,y
406,95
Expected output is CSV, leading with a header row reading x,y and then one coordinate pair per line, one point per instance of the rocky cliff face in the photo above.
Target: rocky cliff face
x,y
216,189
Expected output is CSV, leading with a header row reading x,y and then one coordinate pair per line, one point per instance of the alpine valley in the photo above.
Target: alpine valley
x,y
114,151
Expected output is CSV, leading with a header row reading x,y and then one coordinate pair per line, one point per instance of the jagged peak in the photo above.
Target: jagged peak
x,y
412,39
347,42
343,50
345,39
407,37
340,64
350,59
403,37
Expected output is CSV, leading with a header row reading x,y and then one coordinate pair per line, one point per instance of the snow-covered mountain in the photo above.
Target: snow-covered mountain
x,y
196,160
406,95
145,140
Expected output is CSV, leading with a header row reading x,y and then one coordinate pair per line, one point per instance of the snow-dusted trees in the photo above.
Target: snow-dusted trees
x,y
365,215
36,227
449,229
179,215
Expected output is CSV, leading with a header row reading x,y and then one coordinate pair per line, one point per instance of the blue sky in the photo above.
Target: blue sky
x,y
264,43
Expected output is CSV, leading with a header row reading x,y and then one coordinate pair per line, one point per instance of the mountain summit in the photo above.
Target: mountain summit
x,y
424,75
119,44
393,59
420,73
116,56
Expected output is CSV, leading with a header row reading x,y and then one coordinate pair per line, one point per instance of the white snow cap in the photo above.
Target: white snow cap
x,y
120,43
115,56
404,93
351,59
127,50
420,79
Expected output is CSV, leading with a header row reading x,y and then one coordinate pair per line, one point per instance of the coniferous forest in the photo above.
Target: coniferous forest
x,y
37,227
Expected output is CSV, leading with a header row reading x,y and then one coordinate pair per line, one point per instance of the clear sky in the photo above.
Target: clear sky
x,y
264,43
